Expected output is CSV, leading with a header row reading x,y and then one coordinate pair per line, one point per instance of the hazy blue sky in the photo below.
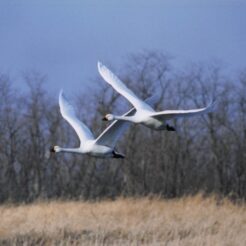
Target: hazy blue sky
x,y
65,38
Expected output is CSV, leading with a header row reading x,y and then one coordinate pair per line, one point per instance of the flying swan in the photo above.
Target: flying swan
x,y
104,145
145,114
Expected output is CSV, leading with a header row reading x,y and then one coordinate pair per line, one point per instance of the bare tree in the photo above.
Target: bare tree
x,y
207,153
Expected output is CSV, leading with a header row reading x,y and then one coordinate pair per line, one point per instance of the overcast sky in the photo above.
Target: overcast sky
x,y
64,39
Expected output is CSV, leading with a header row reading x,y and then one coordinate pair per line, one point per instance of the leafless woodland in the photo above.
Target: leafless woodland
x,y
207,153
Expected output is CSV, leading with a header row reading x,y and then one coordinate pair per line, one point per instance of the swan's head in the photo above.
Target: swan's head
x,y
108,117
55,149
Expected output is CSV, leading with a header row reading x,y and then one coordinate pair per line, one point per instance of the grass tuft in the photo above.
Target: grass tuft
x,y
142,221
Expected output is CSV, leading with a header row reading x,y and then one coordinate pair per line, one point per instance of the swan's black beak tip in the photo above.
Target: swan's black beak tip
x,y
52,149
104,118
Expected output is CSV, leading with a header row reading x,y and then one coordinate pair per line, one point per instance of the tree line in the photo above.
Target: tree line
x,y
207,153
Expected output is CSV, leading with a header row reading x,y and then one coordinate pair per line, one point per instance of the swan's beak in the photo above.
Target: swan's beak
x,y
52,150
104,118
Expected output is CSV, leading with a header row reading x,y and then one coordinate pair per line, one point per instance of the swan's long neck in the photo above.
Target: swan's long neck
x,y
69,150
125,118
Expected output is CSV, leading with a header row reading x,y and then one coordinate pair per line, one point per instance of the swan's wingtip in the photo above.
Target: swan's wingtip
x,y
212,103
99,65
61,93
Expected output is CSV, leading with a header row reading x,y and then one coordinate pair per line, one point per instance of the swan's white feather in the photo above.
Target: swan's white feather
x,y
68,113
119,86
170,114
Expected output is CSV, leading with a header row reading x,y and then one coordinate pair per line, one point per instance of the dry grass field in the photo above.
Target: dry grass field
x,y
141,221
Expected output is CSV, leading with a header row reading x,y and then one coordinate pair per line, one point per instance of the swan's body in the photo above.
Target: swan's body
x,y
145,114
103,146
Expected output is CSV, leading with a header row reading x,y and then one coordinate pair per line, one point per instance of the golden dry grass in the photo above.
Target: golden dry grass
x,y
143,221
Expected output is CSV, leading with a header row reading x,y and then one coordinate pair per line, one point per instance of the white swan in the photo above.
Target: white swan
x,y
145,114
104,145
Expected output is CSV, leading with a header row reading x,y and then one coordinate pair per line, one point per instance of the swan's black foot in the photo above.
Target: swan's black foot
x,y
170,128
118,155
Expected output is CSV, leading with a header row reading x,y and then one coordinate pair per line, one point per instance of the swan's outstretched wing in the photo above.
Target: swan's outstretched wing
x,y
119,86
114,131
170,114
68,113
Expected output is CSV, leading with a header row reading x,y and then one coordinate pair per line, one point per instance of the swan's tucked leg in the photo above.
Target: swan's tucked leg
x,y
117,155
170,128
